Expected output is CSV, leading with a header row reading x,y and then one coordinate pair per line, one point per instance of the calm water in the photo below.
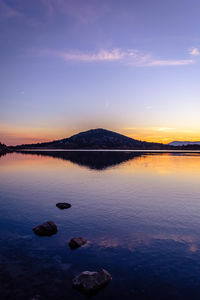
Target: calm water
x,y
140,213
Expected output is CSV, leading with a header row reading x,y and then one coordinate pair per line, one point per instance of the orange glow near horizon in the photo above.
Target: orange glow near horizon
x,y
162,134
19,136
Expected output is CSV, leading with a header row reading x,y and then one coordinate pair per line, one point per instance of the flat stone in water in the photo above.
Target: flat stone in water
x,y
90,282
46,229
77,242
63,205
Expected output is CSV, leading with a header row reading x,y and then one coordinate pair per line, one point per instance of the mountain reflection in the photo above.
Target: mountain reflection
x,y
96,160
2,153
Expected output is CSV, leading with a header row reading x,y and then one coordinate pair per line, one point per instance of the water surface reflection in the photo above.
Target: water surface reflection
x,y
140,213
98,160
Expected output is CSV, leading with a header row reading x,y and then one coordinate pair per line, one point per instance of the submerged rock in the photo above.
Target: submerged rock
x,y
46,229
63,205
90,282
77,242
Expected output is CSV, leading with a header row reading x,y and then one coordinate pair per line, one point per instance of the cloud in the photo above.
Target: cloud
x,y
160,129
194,52
130,57
165,129
8,12
102,55
165,62
84,11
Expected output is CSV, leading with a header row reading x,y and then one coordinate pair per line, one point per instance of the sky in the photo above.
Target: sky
x,y
131,66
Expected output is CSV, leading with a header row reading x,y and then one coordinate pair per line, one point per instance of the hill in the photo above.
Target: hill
x,y
97,139
185,143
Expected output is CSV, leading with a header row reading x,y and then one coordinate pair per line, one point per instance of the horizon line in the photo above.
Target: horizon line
x,y
41,141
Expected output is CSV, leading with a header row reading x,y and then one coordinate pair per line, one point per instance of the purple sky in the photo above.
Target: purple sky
x,y
129,66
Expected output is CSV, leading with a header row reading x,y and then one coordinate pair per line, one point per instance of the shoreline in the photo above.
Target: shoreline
x,y
105,150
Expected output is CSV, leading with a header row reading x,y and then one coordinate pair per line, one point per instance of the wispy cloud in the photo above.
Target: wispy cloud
x,y
84,11
102,55
128,57
8,12
165,62
194,51
158,129
164,129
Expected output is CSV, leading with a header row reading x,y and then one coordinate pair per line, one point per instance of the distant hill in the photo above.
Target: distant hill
x,y
105,139
97,139
178,143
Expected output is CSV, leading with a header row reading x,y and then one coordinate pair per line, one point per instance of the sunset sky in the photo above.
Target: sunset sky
x,y
132,66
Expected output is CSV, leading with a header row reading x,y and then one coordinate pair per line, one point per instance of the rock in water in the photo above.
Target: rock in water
x,y
90,282
77,242
63,205
46,229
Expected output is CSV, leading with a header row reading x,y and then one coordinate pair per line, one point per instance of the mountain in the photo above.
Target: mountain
x,y
97,139
178,143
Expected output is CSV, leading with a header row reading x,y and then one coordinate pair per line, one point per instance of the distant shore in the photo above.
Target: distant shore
x,y
104,150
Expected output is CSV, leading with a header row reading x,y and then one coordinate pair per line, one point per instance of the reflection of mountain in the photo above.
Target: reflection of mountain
x,y
97,160
3,149
2,153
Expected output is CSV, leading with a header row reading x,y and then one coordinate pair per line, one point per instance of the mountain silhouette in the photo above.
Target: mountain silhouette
x,y
97,139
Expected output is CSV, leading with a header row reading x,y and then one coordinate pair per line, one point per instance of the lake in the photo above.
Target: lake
x,y
140,213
